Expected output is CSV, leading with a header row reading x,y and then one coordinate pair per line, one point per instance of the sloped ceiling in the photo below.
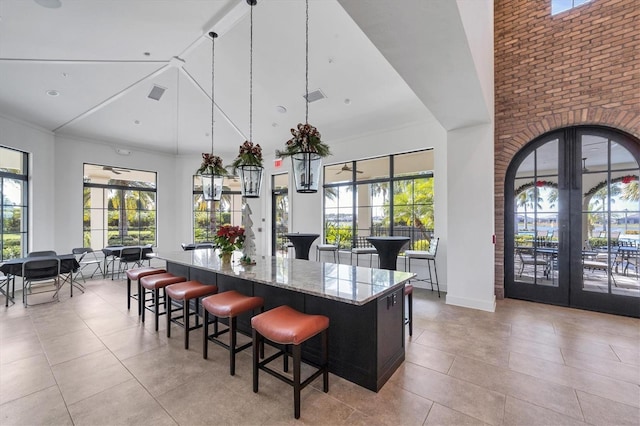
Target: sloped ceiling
x,y
104,56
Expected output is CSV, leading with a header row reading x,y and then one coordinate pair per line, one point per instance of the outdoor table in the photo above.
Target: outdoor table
x,y
302,244
13,267
388,249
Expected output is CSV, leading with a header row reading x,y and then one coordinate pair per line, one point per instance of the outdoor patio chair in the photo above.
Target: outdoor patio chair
x,y
532,262
363,246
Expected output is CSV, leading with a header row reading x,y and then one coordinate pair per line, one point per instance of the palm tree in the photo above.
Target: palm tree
x,y
599,201
630,191
528,199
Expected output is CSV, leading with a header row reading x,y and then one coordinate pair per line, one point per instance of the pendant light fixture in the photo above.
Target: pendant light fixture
x,y
305,147
212,170
249,160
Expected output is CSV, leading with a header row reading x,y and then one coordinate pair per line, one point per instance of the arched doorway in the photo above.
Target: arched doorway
x,y
572,220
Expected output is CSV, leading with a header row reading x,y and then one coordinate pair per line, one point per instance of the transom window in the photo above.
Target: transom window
x,y
13,206
119,206
559,6
391,195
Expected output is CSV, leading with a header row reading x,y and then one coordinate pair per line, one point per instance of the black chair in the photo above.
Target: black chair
x,y
40,269
43,253
129,257
86,258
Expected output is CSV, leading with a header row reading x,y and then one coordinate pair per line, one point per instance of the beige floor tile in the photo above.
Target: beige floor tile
x,y
24,377
16,327
441,415
614,369
69,346
391,405
517,412
464,346
561,399
579,379
131,342
51,325
601,411
451,392
125,404
428,357
628,355
45,407
110,323
20,347
539,350
88,375
169,366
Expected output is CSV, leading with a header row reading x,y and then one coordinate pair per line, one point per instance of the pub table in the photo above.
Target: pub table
x,y
302,244
388,249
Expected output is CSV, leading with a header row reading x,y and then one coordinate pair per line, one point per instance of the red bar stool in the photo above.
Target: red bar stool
x,y
184,292
286,326
229,305
408,291
155,283
135,275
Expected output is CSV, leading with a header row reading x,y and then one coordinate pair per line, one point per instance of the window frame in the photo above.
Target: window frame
x,y
105,209
356,184
24,219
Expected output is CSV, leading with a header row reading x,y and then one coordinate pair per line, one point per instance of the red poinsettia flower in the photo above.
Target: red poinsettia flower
x,y
628,179
540,183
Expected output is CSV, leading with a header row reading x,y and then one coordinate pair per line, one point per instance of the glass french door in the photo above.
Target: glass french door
x,y
279,214
572,221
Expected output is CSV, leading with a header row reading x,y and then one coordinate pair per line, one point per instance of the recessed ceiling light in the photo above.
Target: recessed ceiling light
x,y
51,4
53,93
136,122
347,101
147,53
274,124
281,109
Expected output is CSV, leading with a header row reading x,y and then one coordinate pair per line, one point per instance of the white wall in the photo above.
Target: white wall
x,y
470,247
40,144
70,156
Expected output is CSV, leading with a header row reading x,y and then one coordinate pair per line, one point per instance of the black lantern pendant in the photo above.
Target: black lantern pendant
x,y
251,175
211,181
306,164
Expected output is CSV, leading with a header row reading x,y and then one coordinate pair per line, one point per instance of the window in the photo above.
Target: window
x,y
13,208
279,213
559,6
119,206
390,195
228,209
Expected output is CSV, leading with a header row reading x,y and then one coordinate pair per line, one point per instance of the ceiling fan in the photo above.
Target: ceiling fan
x,y
115,170
346,168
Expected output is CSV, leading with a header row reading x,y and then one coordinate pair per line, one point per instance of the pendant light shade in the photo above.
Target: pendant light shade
x,y
212,171
306,171
251,181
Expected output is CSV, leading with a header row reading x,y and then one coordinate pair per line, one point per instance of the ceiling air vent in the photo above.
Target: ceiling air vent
x,y
156,92
316,95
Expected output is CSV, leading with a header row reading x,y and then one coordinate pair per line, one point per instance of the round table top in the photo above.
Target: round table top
x,y
389,238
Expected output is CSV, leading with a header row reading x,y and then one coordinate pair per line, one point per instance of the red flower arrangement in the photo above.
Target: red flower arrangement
x,y
229,238
628,179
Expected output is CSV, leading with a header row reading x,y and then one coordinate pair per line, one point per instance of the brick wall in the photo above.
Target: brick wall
x,y
578,67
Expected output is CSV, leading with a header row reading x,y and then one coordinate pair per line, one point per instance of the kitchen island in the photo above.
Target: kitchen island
x,y
365,306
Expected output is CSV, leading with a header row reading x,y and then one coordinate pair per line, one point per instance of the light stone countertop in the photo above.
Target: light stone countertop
x,y
356,285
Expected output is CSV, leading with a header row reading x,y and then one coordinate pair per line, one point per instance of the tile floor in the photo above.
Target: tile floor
x,y
86,360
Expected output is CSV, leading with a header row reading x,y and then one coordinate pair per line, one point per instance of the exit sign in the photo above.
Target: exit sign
x,y
277,163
